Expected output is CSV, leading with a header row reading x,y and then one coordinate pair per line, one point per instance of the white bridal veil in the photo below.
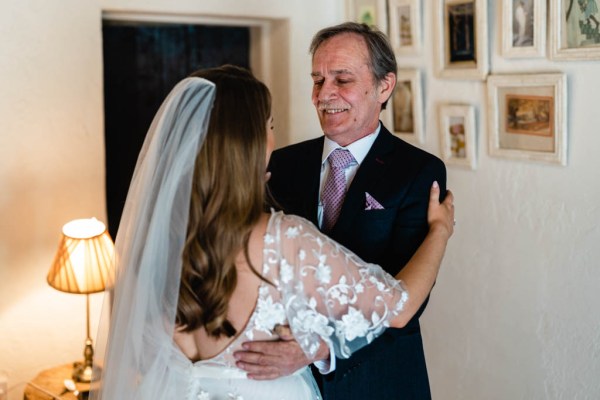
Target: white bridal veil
x,y
149,244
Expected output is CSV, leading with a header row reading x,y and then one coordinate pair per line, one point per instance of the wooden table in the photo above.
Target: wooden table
x,y
49,385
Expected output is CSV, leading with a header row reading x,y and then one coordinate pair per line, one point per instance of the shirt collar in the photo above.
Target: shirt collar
x,y
358,149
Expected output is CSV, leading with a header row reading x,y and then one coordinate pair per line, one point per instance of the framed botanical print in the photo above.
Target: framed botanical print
x,y
462,43
575,30
457,134
405,108
370,12
405,26
527,117
523,28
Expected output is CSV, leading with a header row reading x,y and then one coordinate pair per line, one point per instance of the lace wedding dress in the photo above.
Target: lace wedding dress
x,y
320,289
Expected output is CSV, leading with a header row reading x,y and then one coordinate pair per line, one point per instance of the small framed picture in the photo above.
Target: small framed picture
x,y
524,28
527,117
462,43
457,132
370,12
575,33
405,26
405,108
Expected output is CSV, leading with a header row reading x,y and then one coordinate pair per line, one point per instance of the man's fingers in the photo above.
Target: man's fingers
x,y
274,347
258,372
270,359
253,358
284,332
266,377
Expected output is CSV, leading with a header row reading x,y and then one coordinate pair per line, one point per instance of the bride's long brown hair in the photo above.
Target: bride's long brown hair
x,y
228,197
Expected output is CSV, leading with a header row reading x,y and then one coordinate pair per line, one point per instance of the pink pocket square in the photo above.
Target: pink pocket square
x,y
371,203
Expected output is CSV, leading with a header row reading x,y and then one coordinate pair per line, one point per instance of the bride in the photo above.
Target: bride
x,y
201,267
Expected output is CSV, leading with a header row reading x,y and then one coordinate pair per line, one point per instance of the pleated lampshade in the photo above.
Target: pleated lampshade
x,y
83,261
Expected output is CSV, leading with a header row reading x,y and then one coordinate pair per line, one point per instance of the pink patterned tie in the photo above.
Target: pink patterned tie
x,y
334,189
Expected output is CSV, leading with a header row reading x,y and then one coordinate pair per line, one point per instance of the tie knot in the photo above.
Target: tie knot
x,y
340,158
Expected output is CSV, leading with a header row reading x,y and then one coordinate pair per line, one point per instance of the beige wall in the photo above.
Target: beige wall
x,y
52,150
514,313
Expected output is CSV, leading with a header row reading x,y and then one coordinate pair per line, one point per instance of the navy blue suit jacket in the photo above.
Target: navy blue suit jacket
x,y
399,176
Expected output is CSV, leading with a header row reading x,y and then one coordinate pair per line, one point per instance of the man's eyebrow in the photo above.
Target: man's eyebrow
x,y
333,72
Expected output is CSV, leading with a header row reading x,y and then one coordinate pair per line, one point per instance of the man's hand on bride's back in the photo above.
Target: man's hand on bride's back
x,y
264,360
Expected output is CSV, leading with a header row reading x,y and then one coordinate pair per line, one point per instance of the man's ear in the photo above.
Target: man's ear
x,y
386,87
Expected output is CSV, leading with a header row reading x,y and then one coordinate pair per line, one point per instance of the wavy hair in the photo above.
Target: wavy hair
x,y
228,197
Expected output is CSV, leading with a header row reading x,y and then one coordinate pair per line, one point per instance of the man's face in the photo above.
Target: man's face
x,y
345,94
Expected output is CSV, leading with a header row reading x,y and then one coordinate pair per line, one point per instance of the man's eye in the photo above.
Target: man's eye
x,y
317,83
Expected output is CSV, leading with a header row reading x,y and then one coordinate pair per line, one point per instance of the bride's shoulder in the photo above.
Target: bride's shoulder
x,y
289,224
290,219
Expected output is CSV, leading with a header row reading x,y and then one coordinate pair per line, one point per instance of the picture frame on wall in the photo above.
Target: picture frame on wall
x,y
457,134
405,26
462,39
575,30
524,28
527,117
405,107
370,12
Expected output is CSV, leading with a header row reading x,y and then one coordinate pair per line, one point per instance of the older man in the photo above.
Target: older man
x,y
368,190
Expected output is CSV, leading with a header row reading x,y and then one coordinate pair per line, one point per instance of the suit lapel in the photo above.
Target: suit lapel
x,y
308,182
368,176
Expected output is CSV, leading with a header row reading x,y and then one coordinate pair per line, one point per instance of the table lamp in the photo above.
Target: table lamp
x,y
82,265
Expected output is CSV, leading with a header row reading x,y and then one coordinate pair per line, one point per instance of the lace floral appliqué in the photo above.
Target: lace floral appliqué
x,y
268,312
327,292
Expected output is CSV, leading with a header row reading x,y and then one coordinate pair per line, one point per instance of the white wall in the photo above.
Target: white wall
x,y
514,313
52,150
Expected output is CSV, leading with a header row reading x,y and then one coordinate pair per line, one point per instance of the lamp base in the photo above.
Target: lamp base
x,y
85,374
82,372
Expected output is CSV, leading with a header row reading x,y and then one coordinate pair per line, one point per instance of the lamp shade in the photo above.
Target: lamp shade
x,y
84,258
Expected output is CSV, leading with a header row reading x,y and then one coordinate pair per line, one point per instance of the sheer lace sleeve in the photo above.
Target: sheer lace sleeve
x,y
328,292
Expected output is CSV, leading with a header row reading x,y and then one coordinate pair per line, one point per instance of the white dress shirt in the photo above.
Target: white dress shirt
x,y
358,149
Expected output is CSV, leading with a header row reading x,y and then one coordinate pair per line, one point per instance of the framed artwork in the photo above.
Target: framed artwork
x,y
405,107
524,28
527,117
370,12
457,132
462,42
575,33
405,26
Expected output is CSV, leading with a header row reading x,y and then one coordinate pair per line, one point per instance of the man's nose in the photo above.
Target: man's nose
x,y
327,91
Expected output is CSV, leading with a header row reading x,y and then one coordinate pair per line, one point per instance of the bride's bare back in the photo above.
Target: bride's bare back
x,y
198,345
